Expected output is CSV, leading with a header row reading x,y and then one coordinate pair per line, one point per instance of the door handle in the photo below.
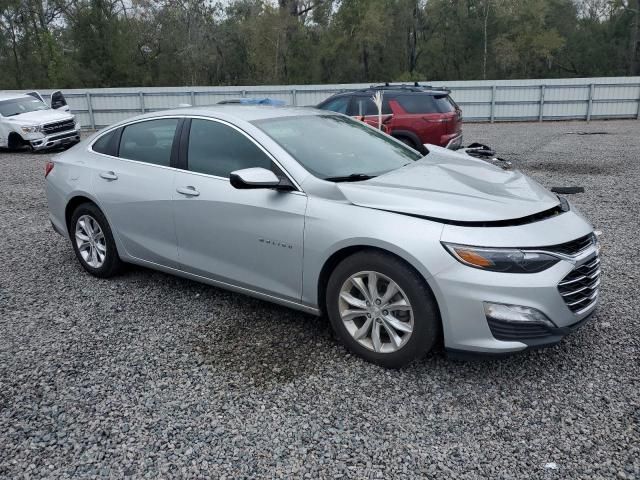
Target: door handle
x,y
189,191
108,175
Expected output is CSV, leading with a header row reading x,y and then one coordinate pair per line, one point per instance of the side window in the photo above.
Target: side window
x,y
425,103
107,143
365,106
339,105
149,141
217,149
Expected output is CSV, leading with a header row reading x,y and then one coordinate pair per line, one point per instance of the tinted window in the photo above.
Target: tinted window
x,y
333,145
425,103
217,149
149,141
365,106
339,105
107,144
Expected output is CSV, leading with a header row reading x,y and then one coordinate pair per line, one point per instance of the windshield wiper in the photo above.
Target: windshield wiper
x,y
354,177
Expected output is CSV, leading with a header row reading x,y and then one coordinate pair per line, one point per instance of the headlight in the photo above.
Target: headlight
x,y
31,129
501,260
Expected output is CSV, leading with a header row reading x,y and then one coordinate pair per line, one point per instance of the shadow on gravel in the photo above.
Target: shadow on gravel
x,y
268,345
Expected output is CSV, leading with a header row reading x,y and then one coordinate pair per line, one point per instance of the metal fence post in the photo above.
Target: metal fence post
x,y
638,111
590,105
542,88
141,95
493,102
92,120
243,93
193,99
294,100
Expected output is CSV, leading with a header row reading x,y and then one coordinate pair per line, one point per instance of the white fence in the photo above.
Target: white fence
x,y
484,101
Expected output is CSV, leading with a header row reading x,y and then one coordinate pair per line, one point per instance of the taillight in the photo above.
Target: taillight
x,y
48,167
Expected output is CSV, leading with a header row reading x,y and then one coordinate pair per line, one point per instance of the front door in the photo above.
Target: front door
x,y
248,238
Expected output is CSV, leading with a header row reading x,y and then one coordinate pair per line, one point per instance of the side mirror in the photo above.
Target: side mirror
x,y
251,178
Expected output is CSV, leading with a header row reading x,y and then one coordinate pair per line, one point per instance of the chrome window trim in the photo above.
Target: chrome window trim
x,y
90,149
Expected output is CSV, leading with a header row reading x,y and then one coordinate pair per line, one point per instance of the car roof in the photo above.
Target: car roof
x,y
394,90
248,113
13,96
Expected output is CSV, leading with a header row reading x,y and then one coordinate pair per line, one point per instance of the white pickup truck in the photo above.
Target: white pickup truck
x,y
27,120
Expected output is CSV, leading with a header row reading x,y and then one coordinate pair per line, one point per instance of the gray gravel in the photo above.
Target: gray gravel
x,y
153,376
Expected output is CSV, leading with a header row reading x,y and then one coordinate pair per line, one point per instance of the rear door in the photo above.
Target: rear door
x,y
133,181
248,238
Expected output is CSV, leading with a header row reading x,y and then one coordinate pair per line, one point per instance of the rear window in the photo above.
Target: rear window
x,y
425,103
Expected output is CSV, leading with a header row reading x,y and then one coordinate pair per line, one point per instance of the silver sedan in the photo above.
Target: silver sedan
x,y
322,213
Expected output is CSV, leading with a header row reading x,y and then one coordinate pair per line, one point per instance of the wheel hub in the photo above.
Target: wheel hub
x,y
90,241
376,312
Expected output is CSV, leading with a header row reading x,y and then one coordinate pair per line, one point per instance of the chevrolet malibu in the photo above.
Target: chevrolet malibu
x,y
322,213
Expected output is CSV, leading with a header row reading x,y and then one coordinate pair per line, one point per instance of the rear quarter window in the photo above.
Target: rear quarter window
x,y
107,144
425,103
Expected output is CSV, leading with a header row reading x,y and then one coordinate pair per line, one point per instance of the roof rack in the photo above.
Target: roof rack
x,y
415,87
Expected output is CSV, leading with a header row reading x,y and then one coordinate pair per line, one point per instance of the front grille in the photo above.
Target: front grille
x,y
502,330
64,135
51,128
573,247
579,289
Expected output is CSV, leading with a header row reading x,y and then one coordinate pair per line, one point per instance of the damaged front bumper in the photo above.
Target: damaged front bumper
x,y
70,137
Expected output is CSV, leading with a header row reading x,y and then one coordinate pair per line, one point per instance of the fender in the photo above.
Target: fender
x,y
122,252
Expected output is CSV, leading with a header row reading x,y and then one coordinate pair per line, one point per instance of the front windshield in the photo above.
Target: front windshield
x,y
333,146
16,106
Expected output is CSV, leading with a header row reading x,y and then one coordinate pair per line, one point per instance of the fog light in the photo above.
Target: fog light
x,y
516,314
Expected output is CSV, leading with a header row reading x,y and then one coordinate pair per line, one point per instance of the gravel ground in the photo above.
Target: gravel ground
x,y
148,375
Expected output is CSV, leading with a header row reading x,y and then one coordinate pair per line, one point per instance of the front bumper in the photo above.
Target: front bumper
x,y
69,137
455,142
462,292
452,142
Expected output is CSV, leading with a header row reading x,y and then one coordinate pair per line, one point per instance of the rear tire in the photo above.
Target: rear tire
x,y
407,323
93,242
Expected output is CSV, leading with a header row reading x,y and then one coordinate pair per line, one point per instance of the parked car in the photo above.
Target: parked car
x,y
323,213
416,115
27,120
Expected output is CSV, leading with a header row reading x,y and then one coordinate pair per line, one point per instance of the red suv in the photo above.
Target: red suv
x,y
415,114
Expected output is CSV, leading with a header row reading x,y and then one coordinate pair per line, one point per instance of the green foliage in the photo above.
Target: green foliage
x,y
109,43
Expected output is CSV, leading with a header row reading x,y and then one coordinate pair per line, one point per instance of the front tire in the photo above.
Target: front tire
x,y
381,309
93,242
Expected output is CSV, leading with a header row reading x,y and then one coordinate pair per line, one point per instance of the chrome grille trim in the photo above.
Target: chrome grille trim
x,y
580,287
57,127
572,248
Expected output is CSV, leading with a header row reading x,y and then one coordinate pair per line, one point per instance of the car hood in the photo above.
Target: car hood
x,y
39,117
452,186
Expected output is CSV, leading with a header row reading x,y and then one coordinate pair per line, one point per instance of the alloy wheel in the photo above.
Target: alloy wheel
x,y
90,241
376,312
